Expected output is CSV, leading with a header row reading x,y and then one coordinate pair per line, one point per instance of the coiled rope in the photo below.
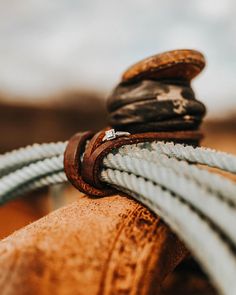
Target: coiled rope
x,y
198,205
204,242
18,158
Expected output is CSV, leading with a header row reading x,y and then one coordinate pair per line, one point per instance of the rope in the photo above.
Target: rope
x,y
198,155
214,183
52,179
205,243
13,181
220,212
24,156
198,205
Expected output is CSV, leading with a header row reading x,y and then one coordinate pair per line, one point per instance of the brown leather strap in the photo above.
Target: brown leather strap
x,y
85,175
73,164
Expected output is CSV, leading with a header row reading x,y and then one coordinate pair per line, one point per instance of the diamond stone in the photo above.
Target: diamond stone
x,y
110,134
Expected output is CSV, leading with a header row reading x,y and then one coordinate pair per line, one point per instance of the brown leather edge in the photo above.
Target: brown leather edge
x,y
72,164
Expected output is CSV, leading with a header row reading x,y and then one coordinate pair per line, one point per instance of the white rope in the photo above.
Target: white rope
x,y
24,156
214,208
199,155
211,251
36,184
217,184
27,174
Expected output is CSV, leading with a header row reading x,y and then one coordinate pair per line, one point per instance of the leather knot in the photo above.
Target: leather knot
x,y
85,152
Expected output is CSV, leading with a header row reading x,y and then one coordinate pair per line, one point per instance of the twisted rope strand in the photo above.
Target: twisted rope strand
x,y
14,180
51,179
214,208
217,184
18,158
198,155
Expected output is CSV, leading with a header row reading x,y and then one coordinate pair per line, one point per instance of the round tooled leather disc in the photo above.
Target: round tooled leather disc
x,y
179,64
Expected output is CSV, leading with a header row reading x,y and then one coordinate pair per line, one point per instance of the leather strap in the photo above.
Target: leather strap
x,y
84,175
73,164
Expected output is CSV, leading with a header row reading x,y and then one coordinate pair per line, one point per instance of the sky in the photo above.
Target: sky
x,y
52,46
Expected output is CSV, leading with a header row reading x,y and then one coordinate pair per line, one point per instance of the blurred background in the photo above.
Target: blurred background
x,y
59,59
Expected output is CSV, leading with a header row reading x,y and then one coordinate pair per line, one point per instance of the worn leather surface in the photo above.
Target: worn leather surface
x,y
73,164
182,64
110,245
146,90
143,112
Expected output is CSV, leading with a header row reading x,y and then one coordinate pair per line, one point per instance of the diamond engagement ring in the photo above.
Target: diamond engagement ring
x,y
112,134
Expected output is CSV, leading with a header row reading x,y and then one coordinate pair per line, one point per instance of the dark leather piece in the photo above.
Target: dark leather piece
x,y
172,125
146,90
163,105
73,165
156,111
